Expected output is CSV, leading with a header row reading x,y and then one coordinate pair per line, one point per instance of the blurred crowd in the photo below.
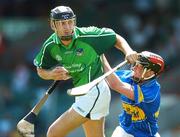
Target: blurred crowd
x,y
152,25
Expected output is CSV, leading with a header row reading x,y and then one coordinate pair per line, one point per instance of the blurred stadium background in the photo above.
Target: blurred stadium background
x,y
152,25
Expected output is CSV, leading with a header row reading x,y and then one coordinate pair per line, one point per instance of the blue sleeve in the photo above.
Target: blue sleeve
x,y
124,75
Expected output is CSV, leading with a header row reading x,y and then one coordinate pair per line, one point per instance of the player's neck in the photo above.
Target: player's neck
x,y
66,42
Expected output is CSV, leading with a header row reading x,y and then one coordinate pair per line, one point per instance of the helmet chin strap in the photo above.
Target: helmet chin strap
x,y
139,80
66,38
149,77
142,77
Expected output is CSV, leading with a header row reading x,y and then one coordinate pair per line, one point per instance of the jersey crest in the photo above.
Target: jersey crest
x,y
79,52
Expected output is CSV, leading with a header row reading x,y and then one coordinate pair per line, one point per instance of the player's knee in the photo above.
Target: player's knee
x,y
53,132
50,132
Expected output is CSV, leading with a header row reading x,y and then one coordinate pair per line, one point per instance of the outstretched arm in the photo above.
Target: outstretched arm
x,y
115,83
121,44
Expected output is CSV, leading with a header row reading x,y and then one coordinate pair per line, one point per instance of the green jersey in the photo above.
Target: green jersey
x,y
81,57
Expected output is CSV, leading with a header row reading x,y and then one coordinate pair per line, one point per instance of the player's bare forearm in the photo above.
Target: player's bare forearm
x,y
44,74
105,63
115,83
112,79
122,45
58,73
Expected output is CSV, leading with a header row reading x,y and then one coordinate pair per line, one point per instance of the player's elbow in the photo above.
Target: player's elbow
x,y
114,82
42,73
113,85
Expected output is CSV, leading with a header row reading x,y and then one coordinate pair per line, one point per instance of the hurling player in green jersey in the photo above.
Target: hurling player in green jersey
x,y
78,50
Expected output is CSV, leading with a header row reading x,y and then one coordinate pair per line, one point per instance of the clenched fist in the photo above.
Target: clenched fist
x,y
60,73
132,57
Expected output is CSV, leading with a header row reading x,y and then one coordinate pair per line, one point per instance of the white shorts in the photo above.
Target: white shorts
x,y
95,104
120,132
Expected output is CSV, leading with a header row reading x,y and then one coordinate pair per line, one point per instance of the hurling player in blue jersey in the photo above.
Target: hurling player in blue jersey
x,y
140,95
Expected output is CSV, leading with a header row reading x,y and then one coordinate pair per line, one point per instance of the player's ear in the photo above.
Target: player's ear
x,y
52,25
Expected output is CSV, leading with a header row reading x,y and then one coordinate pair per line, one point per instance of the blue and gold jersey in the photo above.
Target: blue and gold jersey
x,y
139,117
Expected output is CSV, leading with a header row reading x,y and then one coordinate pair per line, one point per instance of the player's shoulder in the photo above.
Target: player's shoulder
x,y
49,41
124,75
93,31
150,90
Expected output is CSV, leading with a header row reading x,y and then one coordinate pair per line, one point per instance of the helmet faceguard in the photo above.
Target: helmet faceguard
x,y
63,13
150,61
